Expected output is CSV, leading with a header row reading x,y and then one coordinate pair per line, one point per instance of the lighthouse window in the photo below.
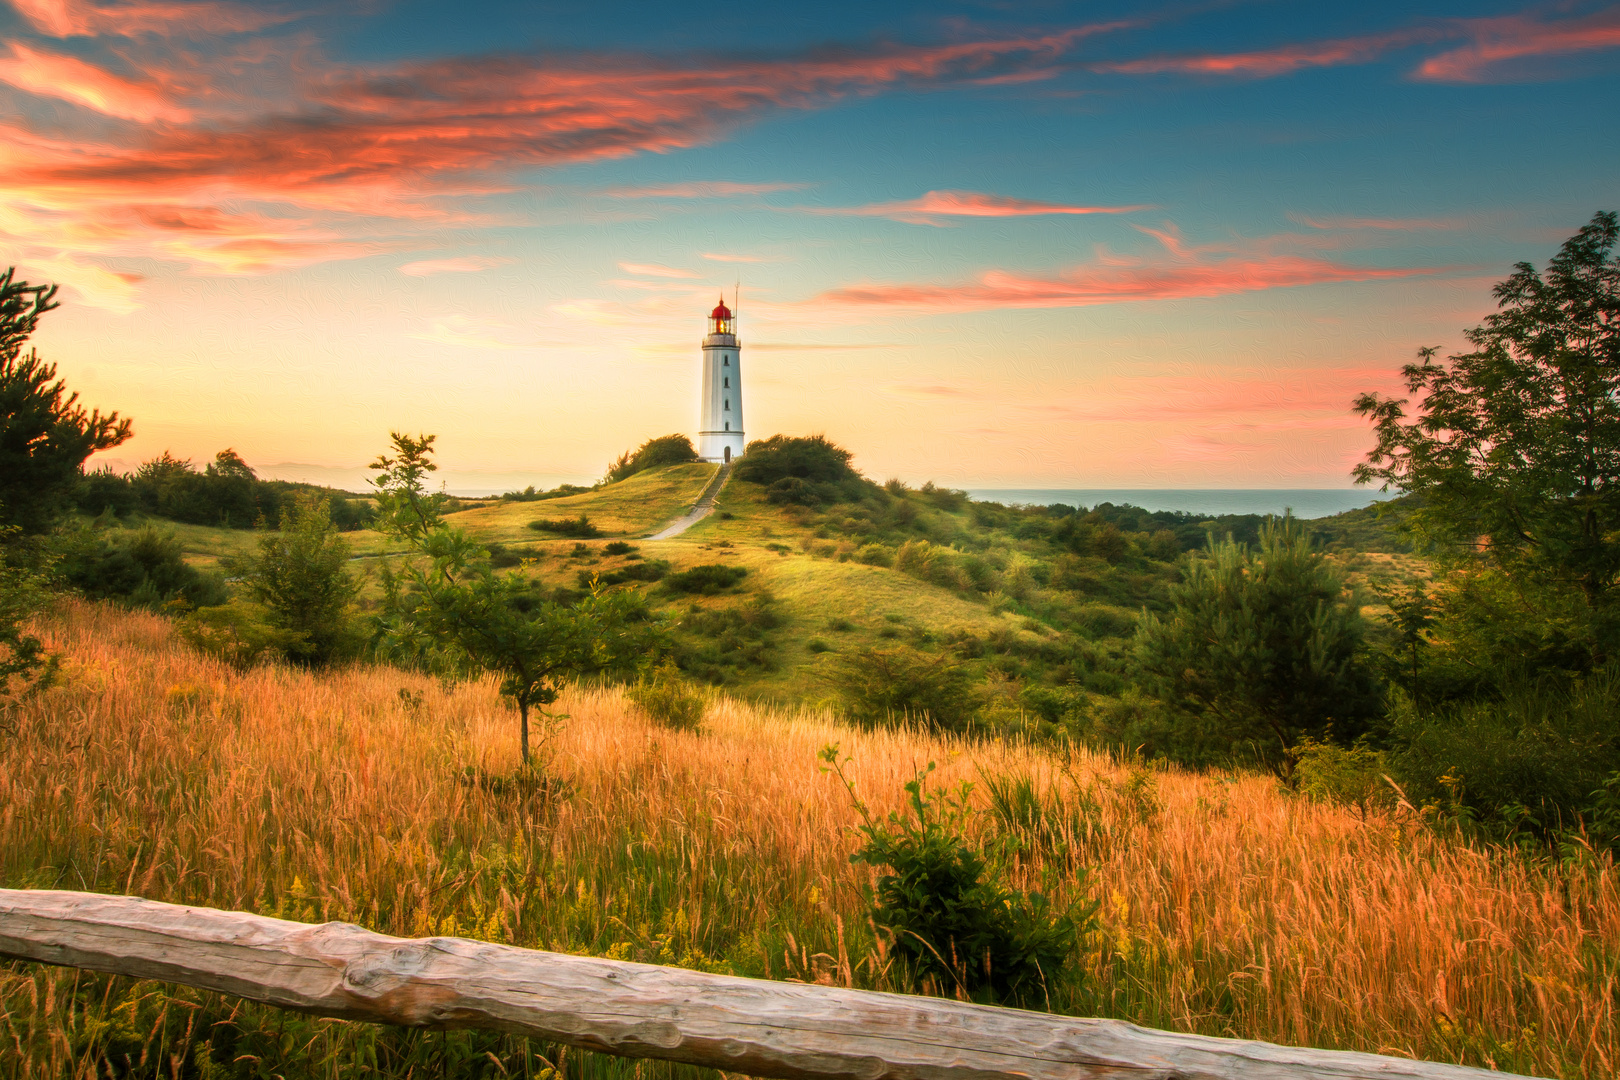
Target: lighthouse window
x,y
725,361
728,404
727,382
728,428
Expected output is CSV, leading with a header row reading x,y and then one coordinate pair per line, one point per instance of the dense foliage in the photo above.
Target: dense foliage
x,y
45,434
1262,648
137,567
1515,448
301,577
652,454
226,492
800,471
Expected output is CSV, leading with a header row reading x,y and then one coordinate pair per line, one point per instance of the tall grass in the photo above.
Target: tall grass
x,y
378,797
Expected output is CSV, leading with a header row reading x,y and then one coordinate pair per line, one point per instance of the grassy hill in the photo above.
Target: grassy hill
x,y
1032,600
385,798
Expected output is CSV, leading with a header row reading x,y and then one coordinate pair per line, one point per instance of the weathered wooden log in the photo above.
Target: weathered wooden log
x,y
764,1028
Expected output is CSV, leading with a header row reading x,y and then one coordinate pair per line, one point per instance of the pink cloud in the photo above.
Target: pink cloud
x,y
1490,43
936,207
373,155
656,270
1518,38
702,189
78,18
71,79
1184,272
464,265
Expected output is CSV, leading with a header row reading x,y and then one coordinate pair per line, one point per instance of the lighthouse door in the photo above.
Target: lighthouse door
x,y
728,455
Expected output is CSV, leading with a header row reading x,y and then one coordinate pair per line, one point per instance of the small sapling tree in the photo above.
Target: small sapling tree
x,y
301,577
450,609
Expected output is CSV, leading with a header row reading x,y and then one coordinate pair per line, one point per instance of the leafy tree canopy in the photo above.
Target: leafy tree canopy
x,y
652,454
45,434
1514,445
779,457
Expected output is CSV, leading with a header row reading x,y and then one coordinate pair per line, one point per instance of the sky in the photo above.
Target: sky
x,y
988,244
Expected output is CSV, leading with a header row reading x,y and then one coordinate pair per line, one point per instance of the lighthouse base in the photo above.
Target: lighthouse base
x,y
720,447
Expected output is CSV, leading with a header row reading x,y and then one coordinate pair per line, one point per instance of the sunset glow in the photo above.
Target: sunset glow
x,y
1061,246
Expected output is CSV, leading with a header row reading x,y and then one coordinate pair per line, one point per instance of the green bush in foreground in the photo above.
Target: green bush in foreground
x,y
670,699
948,912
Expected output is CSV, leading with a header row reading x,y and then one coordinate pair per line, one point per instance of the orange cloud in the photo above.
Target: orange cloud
x,y
935,206
1187,273
464,265
71,79
702,189
1518,38
359,144
77,18
1266,63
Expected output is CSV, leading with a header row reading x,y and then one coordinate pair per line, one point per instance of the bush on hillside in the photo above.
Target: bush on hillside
x,y
710,579
813,459
140,568
900,685
652,454
580,527
301,577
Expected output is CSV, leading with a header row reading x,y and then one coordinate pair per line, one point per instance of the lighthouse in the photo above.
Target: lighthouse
x,y
720,415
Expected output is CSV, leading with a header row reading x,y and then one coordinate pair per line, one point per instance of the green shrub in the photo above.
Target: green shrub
x,y
239,633
893,686
669,699
140,568
1262,649
947,910
301,577
710,579
580,527
652,454
791,491
651,570
1353,776
813,459
1530,760
875,555
617,547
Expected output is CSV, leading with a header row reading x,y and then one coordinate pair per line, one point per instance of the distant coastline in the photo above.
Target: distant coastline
x,y
1305,502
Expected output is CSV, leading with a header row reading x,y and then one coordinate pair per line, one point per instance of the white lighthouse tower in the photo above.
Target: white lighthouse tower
x,y
720,416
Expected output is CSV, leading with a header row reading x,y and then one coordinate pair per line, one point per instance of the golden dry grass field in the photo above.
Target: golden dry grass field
x,y
1227,906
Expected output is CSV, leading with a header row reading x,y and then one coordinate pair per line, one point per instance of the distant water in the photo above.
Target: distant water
x,y
1305,502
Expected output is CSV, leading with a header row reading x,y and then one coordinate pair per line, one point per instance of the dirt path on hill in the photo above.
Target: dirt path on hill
x,y
700,509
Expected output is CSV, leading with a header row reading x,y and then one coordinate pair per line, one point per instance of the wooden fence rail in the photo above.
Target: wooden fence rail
x,y
768,1029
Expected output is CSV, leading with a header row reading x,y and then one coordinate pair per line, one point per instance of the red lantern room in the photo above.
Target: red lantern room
x,y
721,320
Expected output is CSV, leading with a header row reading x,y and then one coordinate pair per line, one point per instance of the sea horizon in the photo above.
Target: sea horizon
x,y
1306,503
